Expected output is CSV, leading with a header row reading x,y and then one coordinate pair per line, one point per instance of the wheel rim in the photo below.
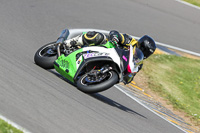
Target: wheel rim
x,y
88,82
47,51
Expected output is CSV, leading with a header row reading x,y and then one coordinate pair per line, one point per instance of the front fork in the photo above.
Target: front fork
x,y
58,50
63,36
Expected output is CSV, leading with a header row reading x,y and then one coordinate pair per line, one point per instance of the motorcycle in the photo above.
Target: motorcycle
x,y
91,69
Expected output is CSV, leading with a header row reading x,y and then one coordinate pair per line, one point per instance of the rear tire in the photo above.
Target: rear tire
x,y
113,79
43,59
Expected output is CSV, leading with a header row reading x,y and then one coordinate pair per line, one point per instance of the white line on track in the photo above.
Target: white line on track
x,y
179,49
14,124
188,4
78,31
135,99
173,47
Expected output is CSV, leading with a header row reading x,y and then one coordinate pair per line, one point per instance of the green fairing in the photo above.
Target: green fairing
x,y
67,65
108,45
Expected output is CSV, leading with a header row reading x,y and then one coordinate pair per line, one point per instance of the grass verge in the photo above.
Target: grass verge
x,y
7,128
194,2
177,79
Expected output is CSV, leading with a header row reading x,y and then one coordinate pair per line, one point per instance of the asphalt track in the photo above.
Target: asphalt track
x,y
42,102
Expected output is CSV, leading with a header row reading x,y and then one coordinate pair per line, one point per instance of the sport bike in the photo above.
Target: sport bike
x,y
90,68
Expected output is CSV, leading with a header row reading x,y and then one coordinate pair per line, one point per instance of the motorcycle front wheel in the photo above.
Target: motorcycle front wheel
x,y
45,56
85,86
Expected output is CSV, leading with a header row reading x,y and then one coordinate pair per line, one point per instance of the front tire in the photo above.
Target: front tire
x,y
112,79
45,56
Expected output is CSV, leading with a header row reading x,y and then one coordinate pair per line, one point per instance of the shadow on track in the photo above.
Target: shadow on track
x,y
115,104
61,77
101,97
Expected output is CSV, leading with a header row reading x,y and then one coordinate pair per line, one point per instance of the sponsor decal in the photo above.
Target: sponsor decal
x,y
89,55
78,62
64,64
124,58
151,50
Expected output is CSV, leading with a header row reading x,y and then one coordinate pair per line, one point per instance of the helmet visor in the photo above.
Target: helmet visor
x,y
138,56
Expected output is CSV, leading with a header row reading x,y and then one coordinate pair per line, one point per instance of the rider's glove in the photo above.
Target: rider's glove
x,y
114,39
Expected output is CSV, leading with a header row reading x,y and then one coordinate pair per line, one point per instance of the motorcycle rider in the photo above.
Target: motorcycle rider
x,y
142,48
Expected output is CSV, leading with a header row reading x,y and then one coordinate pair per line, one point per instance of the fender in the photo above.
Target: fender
x,y
107,59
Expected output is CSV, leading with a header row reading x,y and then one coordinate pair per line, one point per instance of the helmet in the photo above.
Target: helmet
x,y
147,45
93,38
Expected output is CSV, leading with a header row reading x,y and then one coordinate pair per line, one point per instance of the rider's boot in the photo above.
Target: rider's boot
x,y
74,41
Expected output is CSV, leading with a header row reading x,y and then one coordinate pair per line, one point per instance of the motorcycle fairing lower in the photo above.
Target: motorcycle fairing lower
x,y
68,65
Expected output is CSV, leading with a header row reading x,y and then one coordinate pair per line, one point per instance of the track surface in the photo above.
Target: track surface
x,y
41,102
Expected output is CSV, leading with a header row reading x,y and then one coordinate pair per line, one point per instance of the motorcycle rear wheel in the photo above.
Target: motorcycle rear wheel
x,y
94,88
45,56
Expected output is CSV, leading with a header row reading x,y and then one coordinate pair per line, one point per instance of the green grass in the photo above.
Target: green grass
x,y
194,2
176,79
7,128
